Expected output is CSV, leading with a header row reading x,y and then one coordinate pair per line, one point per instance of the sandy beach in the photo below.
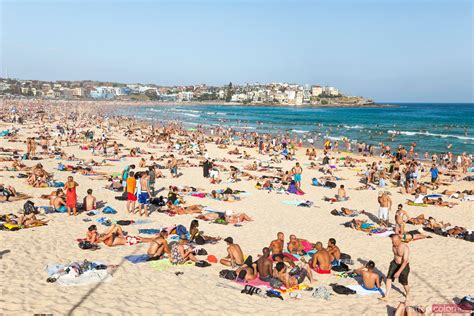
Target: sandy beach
x,y
440,266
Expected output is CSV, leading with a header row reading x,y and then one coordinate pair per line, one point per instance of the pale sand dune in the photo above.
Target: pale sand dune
x,y
441,267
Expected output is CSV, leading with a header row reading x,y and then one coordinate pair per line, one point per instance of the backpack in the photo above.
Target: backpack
x,y
228,274
29,208
341,289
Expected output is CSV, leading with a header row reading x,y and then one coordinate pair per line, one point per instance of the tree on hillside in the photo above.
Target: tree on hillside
x,y
229,93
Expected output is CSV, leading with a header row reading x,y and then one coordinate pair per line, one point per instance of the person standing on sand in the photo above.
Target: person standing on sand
x,y
144,195
131,186
385,204
71,196
173,166
399,267
297,171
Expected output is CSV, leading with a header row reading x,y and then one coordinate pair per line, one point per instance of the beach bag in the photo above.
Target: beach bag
x,y
84,245
330,184
228,274
315,182
341,289
275,283
342,267
466,304
29,208
122,222
335,212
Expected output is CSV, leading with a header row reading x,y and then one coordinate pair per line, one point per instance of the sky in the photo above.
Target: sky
x,y
387,50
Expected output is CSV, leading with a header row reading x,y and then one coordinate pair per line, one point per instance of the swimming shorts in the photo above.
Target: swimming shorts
x,y
143,198
131,197
383,213
403,278
322,271
297,177
61,209
174,170
266,278
375,289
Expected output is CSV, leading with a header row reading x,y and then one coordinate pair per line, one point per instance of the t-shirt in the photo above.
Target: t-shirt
x,y
131,185
125,173
434,173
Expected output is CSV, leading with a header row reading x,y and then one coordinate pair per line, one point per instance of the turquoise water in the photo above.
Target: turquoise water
x,y
432,126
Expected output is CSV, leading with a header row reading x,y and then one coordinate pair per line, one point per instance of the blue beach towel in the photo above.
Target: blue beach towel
x,y
137,258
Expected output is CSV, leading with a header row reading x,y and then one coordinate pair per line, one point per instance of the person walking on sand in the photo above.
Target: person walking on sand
x,y
399,267
71,196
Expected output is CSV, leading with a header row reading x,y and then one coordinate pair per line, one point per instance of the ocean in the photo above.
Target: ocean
x,y
433,126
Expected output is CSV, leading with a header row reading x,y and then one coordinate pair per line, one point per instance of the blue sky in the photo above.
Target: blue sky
x,y
405,50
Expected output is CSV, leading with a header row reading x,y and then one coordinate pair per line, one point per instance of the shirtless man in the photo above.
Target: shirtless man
x,y
234,257
159,246
401,216
295,276
399,267
265,266
59,203
321,261
385,204
333,250
295,245
173,166
276,249
297,171
371,280
89,202
144,195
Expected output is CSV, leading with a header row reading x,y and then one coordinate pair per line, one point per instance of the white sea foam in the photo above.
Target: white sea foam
x,y
353,126
299,131
192,115
407,133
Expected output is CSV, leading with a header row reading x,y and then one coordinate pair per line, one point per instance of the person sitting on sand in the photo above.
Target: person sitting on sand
x,y
235,256
321,262
333,251
296,276
298,246
265,266
197,236
89,202
370,279
181,252
59,202
341,194
159,246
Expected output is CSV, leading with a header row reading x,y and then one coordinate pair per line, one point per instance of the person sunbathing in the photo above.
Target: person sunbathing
x,y
246,273
419,220
294,277
403,309
114,236
433,224
235,151
456,231
6,191
191,209
25,221
438,202
413,235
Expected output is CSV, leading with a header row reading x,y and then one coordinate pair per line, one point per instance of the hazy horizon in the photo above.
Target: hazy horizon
x,y
404,51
